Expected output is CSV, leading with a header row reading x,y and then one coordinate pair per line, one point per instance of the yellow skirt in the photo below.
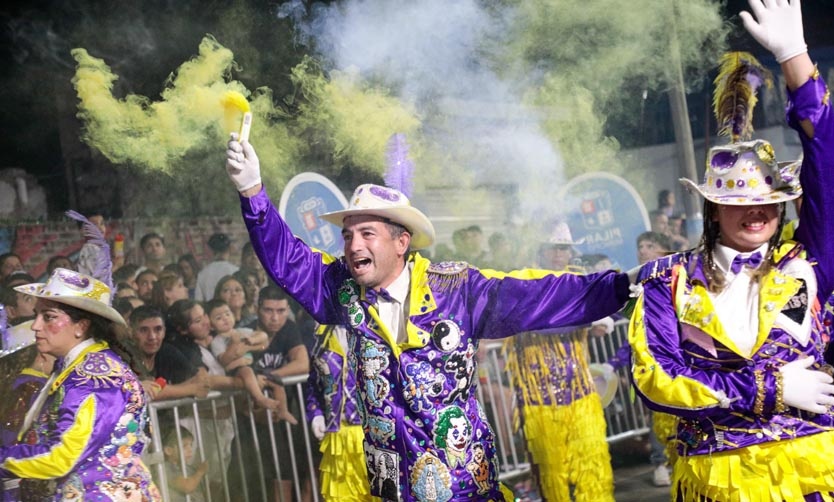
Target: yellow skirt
x,y
779,470
344,475
567,444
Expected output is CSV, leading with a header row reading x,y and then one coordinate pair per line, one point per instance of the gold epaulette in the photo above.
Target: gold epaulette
x,y
447,275
662,267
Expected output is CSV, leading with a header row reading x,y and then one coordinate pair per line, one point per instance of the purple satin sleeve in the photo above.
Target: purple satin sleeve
x,y
506,306
301,271
817,177
110,405
664,342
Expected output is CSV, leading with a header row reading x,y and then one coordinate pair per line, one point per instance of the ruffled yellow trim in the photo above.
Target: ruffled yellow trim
x,y
344,475
779,470
567,444
529,357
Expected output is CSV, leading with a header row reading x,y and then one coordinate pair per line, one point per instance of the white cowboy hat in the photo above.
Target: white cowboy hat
x,y
560,235
747,174
605,382
76,290
390,204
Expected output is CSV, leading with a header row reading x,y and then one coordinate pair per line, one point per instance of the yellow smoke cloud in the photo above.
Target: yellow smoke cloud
x,y
189,119
357,119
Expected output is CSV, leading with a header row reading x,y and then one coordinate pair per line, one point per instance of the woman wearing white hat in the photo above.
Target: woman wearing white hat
x,y
730,337
85,429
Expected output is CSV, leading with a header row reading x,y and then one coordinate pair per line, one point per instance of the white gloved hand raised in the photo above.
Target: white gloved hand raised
x,y
806,389
242,164
777,26
318,427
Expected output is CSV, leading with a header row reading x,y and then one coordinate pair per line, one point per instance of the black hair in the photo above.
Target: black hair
x,y
151,235
143,313
272,292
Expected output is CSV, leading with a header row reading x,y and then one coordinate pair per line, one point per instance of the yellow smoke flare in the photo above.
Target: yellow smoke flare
x,y
237,113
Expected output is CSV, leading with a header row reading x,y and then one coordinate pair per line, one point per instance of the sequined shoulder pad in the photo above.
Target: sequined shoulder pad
x,y
662,267
446,275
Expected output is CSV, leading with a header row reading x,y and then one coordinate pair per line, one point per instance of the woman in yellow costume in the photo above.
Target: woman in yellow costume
x,y
729,337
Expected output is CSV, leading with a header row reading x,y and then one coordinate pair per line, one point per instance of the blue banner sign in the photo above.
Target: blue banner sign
x,y
605,211
305,197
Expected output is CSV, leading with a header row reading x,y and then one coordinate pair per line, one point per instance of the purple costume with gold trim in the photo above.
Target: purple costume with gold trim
x,y
686,364
90,433
423,423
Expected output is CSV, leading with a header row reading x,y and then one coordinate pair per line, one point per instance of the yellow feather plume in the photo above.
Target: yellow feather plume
x,y
734,98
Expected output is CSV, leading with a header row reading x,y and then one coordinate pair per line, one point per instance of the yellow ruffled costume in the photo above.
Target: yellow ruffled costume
x,y
344,475
566,439
779,470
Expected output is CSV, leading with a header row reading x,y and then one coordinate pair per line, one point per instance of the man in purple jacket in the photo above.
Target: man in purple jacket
x,y
411,322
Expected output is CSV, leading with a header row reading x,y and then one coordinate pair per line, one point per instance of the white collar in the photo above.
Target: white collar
x,y
399,288
75,351
724,255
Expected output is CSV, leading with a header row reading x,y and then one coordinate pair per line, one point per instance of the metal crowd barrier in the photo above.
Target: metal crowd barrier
x,y
626,417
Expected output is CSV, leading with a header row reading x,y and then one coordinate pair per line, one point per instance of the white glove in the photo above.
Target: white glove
x,y
242,164
779,27
806,389
318,427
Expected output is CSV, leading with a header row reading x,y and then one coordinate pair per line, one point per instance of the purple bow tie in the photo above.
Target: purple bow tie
x,y
373,296
752,261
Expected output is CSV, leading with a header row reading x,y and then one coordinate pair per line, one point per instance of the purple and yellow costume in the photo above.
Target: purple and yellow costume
x,y
426,436
90,433
332,394
733,442
561,414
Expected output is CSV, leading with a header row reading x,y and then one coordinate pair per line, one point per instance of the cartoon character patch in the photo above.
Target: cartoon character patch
x,y
478,468
349,298
453,433
380,430
462,367
422,382
430,479
374,362
383,468
446,335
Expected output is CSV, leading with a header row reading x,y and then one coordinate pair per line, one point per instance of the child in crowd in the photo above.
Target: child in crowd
x,y
179,484
232,348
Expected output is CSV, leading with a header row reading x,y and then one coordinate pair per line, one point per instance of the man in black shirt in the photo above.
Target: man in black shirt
x,y
285,355
170,374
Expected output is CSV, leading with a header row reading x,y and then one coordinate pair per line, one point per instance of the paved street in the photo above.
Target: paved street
x,y
634,483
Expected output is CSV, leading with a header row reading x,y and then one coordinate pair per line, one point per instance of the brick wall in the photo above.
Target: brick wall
x,y
35,243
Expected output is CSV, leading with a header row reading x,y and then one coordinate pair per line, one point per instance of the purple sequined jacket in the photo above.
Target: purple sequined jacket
x,y
426,436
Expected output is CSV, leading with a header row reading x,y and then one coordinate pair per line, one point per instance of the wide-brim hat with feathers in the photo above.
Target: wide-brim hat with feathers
x,y
389,204
76,290
744,172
